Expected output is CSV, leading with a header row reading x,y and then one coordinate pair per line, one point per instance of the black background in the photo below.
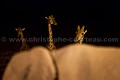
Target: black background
x,y
100,17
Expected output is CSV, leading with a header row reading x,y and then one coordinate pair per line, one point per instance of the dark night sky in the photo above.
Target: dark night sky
x,y
101,17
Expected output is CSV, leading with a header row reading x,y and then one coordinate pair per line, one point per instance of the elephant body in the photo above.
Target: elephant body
x,y
35,64
88,62
72,62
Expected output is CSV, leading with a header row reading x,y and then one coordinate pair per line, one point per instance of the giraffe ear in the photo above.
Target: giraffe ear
x,y
16,29
46,17
23,29
85,31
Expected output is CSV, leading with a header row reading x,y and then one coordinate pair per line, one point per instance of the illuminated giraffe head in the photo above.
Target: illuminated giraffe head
x,y
80,33
20,31
51,20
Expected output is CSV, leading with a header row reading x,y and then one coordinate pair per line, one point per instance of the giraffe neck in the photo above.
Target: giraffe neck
x,y
50,32
24,44
51,45
23,39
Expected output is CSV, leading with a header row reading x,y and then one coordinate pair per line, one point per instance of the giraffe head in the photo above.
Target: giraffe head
x,y
80,33
51,20
20,31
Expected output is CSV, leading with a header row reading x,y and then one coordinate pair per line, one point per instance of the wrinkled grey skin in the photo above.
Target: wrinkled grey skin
x,y
74,62
88,62
35,64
